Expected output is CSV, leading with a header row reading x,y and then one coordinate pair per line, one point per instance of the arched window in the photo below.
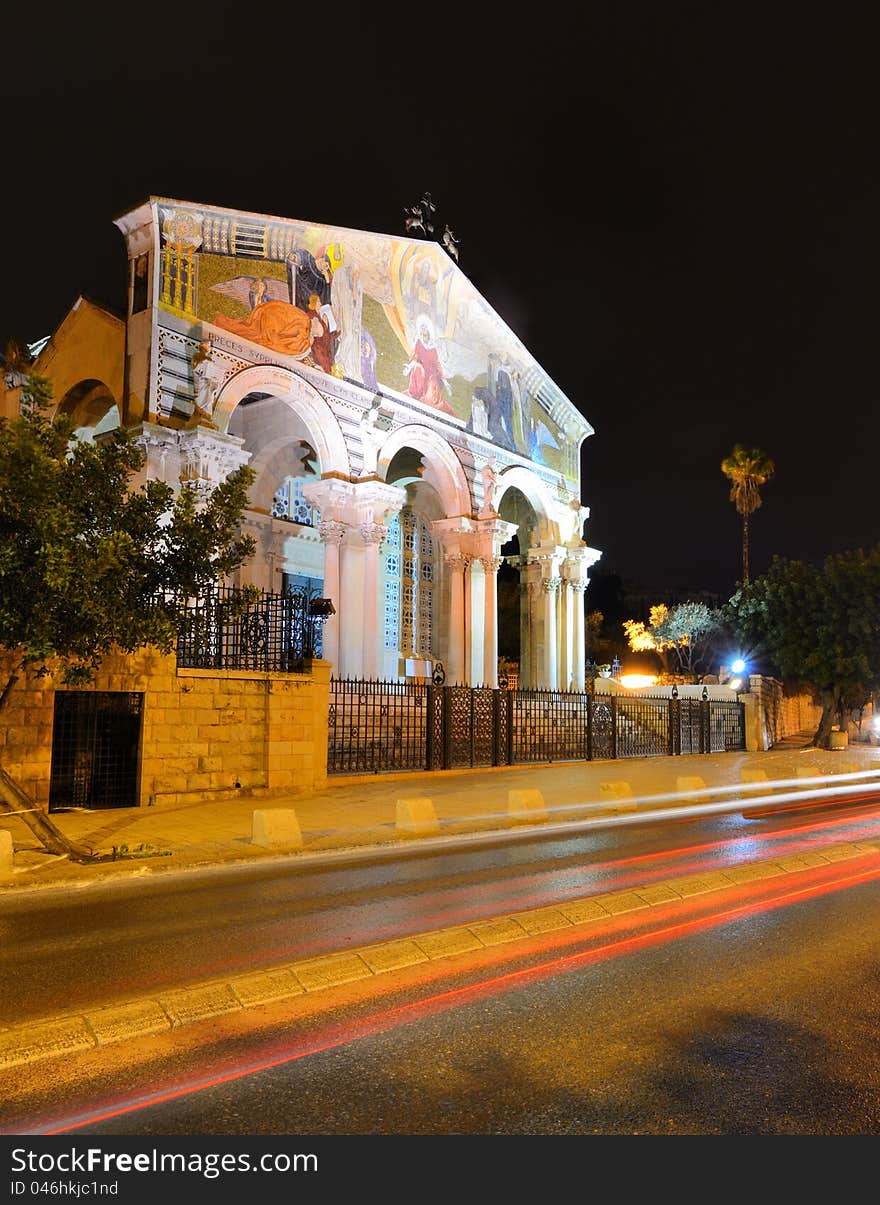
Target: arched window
x,y
408,562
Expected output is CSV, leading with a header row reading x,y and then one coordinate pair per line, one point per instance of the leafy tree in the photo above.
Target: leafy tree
x,y
88,564
688,632
644,638
748,469
819,627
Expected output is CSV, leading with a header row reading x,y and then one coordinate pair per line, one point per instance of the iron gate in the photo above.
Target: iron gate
x,y
95,745
377,726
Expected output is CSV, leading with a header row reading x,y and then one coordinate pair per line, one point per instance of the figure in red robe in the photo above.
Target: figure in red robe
x,y
426,379
324,333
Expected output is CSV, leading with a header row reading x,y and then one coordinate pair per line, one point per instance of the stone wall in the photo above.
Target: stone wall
x,y
772,715
206,734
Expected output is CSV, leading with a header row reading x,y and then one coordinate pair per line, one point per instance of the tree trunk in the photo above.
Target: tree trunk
x,y
746,547
13,799
830,711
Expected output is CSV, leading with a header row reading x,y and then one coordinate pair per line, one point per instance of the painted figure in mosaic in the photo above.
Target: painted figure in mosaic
x,y
368,361
479,419
347,301
307,274
426,377
323,331
258,293
251,291
274,324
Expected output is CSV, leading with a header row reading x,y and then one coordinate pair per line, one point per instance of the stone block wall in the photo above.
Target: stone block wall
x,y
772,715
205,733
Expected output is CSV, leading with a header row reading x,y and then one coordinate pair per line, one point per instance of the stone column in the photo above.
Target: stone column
x,y
207,457
332,533
372,535
566,681
475,593
351,618
360,507
580,652
551,672
536,634
160,445
491,565
457,564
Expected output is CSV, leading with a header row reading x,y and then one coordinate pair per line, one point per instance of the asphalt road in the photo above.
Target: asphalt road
x,y
60,950
765,1024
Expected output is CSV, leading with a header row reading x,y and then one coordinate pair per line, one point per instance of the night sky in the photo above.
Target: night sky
x,y
675,206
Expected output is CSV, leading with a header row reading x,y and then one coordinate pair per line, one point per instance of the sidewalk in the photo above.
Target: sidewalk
x,y
354,813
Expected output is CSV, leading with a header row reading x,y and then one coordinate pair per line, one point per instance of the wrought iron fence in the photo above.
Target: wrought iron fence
x,y
231,629
376,726
548,725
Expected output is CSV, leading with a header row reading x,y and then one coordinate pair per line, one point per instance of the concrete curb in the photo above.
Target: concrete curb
x,y
180,1007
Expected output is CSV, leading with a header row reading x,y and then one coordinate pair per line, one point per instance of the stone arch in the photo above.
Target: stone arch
x,y
533,489
300,397
91,405
273,463
443,469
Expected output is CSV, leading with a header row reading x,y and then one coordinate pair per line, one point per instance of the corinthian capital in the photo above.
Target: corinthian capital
x,y
373,533
457,562
331,531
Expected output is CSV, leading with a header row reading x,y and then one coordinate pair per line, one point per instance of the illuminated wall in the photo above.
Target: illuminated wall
x,y
379,311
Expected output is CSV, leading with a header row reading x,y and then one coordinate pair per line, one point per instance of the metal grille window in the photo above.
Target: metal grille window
x,y
391,601
290,504
95,746
408,563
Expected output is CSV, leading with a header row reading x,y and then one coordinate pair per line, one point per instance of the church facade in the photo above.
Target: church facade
x,y
405,442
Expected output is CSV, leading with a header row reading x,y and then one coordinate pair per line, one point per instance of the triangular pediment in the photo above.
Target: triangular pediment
x,y
386,312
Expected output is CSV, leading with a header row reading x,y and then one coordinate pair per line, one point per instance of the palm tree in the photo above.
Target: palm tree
x,y
748,469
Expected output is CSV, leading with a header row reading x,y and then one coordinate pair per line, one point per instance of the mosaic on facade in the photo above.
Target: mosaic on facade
x,y
382,312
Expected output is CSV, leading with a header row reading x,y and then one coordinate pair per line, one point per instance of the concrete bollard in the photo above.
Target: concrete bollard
x,y
416,817
618,796
692,782
809,772
5,855
753,775
276,826
526,806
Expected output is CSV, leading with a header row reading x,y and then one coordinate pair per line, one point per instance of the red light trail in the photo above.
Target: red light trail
x,y
344,1033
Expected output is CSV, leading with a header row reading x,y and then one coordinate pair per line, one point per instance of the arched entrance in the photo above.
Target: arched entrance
x,y
281,443
411,580
92,407
515,634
